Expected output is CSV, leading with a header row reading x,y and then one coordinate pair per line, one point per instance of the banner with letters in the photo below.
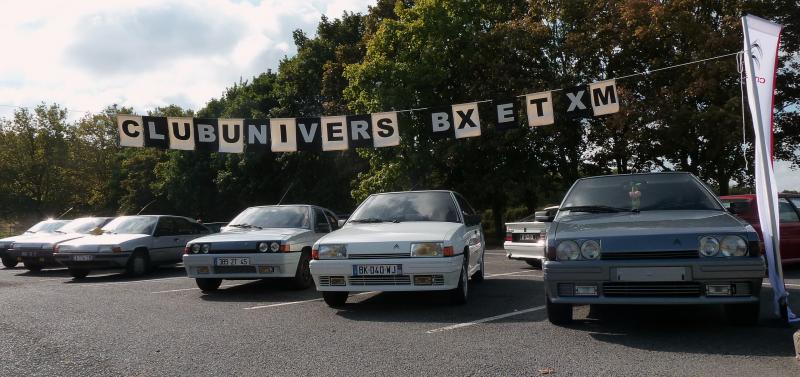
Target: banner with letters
x,y
376,130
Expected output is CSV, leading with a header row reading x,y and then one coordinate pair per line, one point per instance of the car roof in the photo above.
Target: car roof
x,y
637,174
403,192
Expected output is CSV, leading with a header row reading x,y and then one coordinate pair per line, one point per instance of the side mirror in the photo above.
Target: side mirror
x,y
472,220
341,222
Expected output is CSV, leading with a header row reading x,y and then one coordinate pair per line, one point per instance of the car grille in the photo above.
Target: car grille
x,y
652,289
379,256
681,254
380,280
234,269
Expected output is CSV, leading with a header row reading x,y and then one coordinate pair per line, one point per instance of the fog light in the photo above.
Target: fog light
x,y
423,280
266,269
202,270
585,290
337,280
718,290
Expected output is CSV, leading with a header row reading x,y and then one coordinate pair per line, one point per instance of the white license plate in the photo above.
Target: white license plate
x,y
83,258
231,261
528,237
377,269
652,274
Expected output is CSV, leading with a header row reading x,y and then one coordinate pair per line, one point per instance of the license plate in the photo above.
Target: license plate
x,y
377,269
530,237
231,261
28,254
83,258
652,274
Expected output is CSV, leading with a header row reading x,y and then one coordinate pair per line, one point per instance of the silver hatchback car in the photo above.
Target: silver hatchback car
x,y
659,238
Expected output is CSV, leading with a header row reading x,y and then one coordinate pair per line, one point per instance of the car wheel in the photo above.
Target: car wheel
x,y
208,285
10,262
78,273
535,263
137,264
302,277
743,314
478,276
33,267
558,314
334,299
460,295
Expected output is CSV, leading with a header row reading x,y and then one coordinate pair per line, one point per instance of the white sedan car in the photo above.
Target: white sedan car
x,y
261,242
48,226
37,252
526,238
402,241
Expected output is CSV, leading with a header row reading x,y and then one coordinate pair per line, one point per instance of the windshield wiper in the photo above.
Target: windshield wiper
x,y
245,226
367,220
60,231
596,209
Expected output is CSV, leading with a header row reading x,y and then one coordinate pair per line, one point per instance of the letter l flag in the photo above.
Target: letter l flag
x,y
761,41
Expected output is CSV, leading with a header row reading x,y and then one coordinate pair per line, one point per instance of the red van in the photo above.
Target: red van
x,y
745,207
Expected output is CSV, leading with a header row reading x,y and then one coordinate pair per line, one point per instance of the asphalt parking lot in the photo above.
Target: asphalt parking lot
x,y
161,325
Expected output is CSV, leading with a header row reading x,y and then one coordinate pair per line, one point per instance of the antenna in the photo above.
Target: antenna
x,y
65,212
145,206
284,194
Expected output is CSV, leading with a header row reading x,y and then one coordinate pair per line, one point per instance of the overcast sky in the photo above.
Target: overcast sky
x,y
142,53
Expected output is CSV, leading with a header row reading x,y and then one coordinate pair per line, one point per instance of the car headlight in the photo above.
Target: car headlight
x,y
109,249
274,247
590,249
263,247
205,248
195,248
709,246
332,252
733,246
427,249
567,250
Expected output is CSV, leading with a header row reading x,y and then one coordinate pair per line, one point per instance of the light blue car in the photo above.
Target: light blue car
x,y
658,238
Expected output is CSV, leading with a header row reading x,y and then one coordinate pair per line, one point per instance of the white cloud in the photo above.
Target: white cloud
x,y
145,53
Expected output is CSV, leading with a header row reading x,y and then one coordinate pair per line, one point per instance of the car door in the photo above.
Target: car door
x,y
185,231
473,236
166,240
790,229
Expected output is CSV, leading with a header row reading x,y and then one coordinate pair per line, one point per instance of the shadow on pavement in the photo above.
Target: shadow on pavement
x,y
109,276
264,292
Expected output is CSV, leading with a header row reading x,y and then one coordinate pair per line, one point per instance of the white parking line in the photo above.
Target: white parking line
x,y
297,302
196,289
124,282
786,284
512,273
489,319
498,254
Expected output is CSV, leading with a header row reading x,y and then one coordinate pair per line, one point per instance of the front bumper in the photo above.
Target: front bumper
x,y
744,277
262,265
418,274
29,256
93,261
524,250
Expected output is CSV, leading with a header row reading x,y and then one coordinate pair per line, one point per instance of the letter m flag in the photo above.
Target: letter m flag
x,y
604,97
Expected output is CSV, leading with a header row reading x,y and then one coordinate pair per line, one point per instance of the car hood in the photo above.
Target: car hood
x,y
246,239
6,242
46,241
93,243
648,230
382,237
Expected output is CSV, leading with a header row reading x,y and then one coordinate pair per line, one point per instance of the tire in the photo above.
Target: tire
x,y
10,262
208,284
302,277
535,263
743,314
78,273
460,294
33,267
478,276
558,314
137,264
335,299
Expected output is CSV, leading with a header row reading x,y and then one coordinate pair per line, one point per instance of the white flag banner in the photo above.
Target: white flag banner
x,y
466,120
539,107
131,132
181,133
334,133
231,135
604,97
283,132
761,41
385,130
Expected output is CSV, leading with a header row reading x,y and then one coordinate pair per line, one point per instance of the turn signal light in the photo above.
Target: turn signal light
x,y
508,237
315,254
186,250
284,248
447,251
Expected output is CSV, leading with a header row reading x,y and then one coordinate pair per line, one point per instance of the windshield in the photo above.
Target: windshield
x,y
131,225
407,206
273,217
645,192
46,226
82,225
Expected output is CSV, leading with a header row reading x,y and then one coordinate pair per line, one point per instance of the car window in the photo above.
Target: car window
x,y
643,192
83,225
332,220
321,222
184,227
200,229
737,206
407,206
273,217
167,226
786,212
47,226
796,202
131,225
464,205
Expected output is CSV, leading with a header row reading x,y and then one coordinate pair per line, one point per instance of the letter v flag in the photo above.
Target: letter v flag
x,y
761,41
